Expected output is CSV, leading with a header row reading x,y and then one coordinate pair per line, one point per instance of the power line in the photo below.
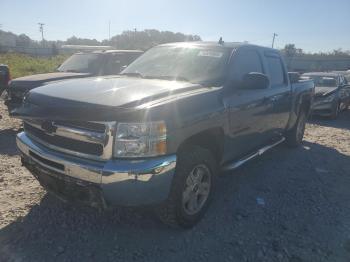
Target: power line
x,y
273,39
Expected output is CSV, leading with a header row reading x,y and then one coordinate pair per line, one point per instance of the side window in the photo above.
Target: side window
x,y
115,64
276,71
244,62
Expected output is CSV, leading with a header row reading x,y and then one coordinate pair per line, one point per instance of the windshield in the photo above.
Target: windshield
x,y
324,81
186,63
81,63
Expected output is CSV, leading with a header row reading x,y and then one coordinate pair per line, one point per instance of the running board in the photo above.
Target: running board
x,y
261,151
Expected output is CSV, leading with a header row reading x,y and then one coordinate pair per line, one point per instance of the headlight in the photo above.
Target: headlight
x,y
140,139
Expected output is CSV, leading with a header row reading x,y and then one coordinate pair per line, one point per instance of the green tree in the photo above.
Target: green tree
x,y
290,50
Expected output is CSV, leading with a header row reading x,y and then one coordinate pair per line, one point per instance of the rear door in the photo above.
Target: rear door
x,y
279,93
248,109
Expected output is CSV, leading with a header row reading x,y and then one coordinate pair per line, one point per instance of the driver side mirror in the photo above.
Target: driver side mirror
x,y
255,80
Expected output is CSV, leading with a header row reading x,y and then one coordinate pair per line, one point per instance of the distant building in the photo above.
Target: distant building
x,y
318,63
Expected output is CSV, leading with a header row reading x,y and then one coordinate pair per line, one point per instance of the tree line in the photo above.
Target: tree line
x,y
128,39
145,39
290,51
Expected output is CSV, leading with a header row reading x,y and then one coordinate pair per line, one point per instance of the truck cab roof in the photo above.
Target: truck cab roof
x,y
228,45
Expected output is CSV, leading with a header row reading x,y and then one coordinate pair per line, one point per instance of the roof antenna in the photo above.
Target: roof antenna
x,y
221,42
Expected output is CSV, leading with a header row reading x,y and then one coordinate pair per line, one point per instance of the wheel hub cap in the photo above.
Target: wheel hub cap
x,y
196,190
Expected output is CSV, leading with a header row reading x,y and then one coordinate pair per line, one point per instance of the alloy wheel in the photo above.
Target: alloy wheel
x,y
196,189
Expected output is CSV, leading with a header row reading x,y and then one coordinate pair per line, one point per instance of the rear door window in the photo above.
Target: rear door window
x,y
276,71
117,62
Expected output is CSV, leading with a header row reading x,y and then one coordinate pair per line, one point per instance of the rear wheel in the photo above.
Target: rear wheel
x,y
294,137
191,188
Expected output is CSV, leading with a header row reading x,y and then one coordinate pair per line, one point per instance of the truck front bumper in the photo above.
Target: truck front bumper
x,y
111,183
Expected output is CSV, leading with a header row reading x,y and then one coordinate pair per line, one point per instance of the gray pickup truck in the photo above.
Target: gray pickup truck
x,y
79,65
160,133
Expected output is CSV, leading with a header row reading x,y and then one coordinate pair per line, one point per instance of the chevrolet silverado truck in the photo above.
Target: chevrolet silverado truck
x,y
159,134
332,93
79,65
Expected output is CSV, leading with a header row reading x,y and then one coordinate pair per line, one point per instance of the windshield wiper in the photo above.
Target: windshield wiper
x,y
132,74
175,78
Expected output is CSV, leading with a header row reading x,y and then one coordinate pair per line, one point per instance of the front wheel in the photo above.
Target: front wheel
x,y
335,111
191,188
3,94
294,137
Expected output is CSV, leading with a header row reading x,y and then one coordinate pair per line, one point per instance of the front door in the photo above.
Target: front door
x,y
248,109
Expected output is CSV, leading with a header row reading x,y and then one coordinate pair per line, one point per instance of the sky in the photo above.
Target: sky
x,y
313,25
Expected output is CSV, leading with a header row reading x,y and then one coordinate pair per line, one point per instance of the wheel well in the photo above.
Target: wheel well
x,y
211,139
305,105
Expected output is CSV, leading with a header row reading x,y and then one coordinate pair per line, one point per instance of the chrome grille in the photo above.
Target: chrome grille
x,y
93,140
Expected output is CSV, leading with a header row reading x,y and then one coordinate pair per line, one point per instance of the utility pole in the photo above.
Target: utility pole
x,y
109,30
41,29
273,39
135,44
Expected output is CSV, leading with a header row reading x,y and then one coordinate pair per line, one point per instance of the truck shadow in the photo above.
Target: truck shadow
x,y
8,142
343,121
296,187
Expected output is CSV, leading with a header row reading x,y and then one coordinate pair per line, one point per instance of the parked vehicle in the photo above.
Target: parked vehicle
x,y
345,73
332,93
159,133
5,78
79,65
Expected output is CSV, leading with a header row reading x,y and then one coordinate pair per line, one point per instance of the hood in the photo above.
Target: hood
x,y
94,98
324,90
32,81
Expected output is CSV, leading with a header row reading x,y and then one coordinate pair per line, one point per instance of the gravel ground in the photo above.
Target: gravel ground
x,y
288,205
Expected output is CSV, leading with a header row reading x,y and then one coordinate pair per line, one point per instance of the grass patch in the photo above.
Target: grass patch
x,y
23,65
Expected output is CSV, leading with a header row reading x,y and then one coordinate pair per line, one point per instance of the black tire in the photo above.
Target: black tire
x,y
173,211
294,137
335,111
